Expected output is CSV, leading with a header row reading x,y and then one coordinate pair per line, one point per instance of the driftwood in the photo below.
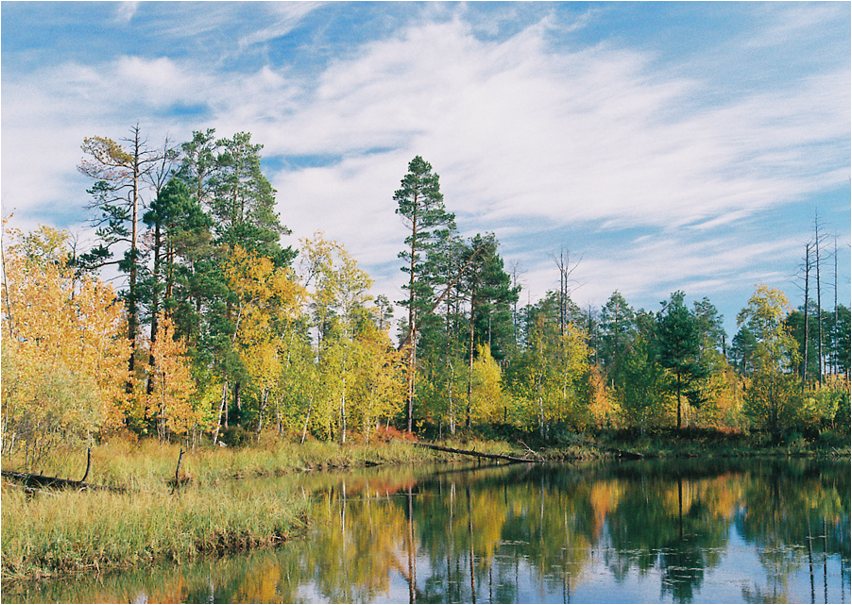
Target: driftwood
x,y
179,480
453,450
88,464
34,481
626,454
42,481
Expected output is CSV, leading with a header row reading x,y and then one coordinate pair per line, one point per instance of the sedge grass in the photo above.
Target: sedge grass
x,y
52,532
148,463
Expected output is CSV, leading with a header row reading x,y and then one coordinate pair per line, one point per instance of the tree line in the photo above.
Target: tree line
x,y
221,332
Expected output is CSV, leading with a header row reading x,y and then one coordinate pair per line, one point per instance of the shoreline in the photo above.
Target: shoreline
x,y
59,534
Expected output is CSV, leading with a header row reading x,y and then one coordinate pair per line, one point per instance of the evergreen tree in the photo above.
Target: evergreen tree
x,y
421,205
490,296
242,200
119,170
679,340
616,332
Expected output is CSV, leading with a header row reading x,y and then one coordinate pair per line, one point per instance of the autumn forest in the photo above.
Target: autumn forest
x,y
216,333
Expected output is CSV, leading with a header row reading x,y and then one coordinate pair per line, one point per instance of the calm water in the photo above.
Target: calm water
x,y
756,531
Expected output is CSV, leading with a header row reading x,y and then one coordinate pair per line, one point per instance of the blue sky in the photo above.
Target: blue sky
x,y
670,145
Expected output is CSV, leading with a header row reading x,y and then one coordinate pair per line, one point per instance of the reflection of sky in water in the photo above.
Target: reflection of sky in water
x,y
645,533
740,569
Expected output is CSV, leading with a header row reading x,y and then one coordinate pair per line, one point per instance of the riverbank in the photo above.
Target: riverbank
x,y
147,463
49,533
690,443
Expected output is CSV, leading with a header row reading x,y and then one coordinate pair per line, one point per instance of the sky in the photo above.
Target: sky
x,y
664,146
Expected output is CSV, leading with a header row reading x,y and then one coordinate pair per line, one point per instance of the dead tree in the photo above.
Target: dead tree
x,y
563,264
806,313
819,300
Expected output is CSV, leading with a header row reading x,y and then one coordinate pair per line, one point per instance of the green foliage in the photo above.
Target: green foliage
x,y
678,341
253,344
420,203
772,395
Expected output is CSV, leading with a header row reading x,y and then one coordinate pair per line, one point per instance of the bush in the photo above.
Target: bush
x,y
236,436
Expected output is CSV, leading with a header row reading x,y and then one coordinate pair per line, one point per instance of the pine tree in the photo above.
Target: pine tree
x,y
679,341
421,205
119,170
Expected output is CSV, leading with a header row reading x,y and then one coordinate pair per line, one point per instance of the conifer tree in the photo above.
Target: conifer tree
x,y
421,206
679,346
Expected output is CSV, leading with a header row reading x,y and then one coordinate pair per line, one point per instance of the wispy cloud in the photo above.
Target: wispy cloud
x,y
783,23
593,138
285,17
125,11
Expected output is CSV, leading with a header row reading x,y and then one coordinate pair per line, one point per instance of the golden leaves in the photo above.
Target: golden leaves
x,y
67,357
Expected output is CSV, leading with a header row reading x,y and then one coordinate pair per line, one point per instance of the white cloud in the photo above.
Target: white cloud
x,y
787,21
125,11
592,137
286,16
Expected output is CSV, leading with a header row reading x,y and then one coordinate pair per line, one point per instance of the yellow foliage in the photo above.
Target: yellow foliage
x,y
64,351
486,394
172,386
603,405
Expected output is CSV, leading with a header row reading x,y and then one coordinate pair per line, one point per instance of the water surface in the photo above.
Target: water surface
x,y
681,531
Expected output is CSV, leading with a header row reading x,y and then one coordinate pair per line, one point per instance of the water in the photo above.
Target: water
x,y
688,531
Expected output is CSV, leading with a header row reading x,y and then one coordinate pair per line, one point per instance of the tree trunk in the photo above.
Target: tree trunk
x,y
470,361
307,420
132,302
343,408
6,291
819,304
222,407
263,401
834,335
475,454
412,320
412,369
155,303
679,426
807,314
452,402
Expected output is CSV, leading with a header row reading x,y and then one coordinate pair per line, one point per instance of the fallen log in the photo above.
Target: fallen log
x,y
626,454
453,450
32,480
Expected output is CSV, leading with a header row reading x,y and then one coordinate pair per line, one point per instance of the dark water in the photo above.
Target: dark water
x,y
755,531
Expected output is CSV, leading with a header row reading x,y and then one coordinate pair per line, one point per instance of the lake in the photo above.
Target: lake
x,y
679,531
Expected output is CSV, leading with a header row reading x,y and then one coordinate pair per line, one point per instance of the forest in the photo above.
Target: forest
x,y
218,334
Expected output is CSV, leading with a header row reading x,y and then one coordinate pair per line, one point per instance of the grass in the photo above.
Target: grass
x,y
692,443
148,463
50,533
47,533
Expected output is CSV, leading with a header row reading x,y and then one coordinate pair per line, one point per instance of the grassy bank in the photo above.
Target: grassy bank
x,y
54,532
689,443
50,533
148,463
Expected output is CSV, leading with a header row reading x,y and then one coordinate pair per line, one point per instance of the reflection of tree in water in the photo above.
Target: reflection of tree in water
x,y
493,534
797,515
676,525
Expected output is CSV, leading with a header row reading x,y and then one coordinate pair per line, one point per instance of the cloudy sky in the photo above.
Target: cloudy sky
x,y
669,146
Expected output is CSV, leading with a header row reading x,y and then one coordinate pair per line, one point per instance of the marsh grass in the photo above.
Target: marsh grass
x,y
147,463
52,532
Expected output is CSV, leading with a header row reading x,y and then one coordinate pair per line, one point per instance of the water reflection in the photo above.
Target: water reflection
x,y
755,531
